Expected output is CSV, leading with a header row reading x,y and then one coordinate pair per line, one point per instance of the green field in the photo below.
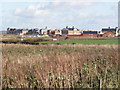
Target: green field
x,y
48,40
106,41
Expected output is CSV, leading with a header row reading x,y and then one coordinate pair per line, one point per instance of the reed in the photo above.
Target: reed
x,y
60,66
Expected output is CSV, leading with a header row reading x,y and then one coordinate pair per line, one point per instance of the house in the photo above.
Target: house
x,y
18,31
118,32
109,32
64,32
45,31
89,34
57,32
73,31
24,31
11,30
32,32
14,31
100,34
70,31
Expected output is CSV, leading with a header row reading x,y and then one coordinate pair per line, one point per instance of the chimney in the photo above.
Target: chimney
x,y
116,27
66,26
73,27
8,29
46,27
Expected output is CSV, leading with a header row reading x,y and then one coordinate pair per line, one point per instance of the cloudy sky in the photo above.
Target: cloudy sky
x,y
89,14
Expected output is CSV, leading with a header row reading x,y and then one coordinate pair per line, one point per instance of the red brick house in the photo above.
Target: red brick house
x,y
109,32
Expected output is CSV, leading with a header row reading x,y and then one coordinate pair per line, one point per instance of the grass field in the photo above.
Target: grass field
x,y
60,66
62,40
106,41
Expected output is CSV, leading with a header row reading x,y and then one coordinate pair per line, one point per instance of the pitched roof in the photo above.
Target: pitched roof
x,y
109,29
89,32
70,28
64,29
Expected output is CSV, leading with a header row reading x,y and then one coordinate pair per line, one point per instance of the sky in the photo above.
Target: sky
x,y
57,14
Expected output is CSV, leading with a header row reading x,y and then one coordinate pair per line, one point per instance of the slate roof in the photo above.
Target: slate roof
x,y
70,28
89,32
64,29
108,29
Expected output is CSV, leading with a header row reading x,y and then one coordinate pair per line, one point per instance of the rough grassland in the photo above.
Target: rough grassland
x,y
60,66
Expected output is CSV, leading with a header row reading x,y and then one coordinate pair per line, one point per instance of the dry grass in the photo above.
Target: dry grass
x,y
60,66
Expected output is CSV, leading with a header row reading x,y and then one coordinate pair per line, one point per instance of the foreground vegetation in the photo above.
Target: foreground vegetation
x,y
60,66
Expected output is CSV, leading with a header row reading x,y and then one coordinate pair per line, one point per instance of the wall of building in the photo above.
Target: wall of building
x,y
24,32
70,32
89,35
57,31
74,32
73,35
109,34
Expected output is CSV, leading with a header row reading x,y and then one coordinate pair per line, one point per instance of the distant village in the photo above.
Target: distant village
x,y
67,31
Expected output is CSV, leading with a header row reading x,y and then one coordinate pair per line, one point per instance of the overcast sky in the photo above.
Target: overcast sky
x,y
58,14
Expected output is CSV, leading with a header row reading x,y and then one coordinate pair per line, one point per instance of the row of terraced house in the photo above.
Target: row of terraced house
x,y
67,31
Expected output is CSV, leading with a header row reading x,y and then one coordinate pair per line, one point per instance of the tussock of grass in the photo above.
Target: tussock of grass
x,y
60,66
